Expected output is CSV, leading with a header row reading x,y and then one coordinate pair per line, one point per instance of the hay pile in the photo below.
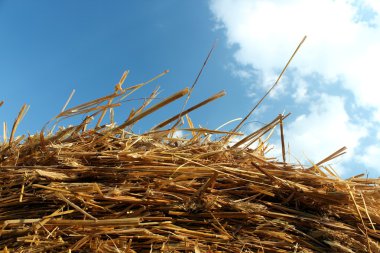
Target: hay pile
x,y
106,189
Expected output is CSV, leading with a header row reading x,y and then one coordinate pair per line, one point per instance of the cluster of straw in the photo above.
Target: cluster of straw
x,y
107,189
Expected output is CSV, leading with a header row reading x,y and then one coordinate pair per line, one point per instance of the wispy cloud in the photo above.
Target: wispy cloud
x,y
371,157
342,50
325,128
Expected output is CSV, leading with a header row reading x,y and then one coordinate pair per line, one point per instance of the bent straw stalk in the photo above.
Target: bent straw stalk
x,y
106,189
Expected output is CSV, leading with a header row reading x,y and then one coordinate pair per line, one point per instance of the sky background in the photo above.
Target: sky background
x,y
49,48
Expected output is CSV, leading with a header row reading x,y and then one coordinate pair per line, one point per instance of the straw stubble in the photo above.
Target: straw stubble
x,y
106,189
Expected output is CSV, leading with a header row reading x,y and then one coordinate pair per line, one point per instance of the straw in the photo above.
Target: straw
x,y
107,189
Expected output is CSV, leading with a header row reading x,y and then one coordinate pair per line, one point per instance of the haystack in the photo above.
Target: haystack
x,y
100,187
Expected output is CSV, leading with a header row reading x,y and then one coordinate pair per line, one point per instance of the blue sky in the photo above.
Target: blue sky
x,y
49,48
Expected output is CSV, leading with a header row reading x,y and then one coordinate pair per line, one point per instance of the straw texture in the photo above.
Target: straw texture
x,y
107,189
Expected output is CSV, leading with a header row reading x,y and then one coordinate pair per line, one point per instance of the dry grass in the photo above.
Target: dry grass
x,y
107,189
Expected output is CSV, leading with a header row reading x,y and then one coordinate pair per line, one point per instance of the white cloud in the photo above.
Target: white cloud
x,y
301,93
337,46
342,50
178,134
242,73
324,130
371,157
